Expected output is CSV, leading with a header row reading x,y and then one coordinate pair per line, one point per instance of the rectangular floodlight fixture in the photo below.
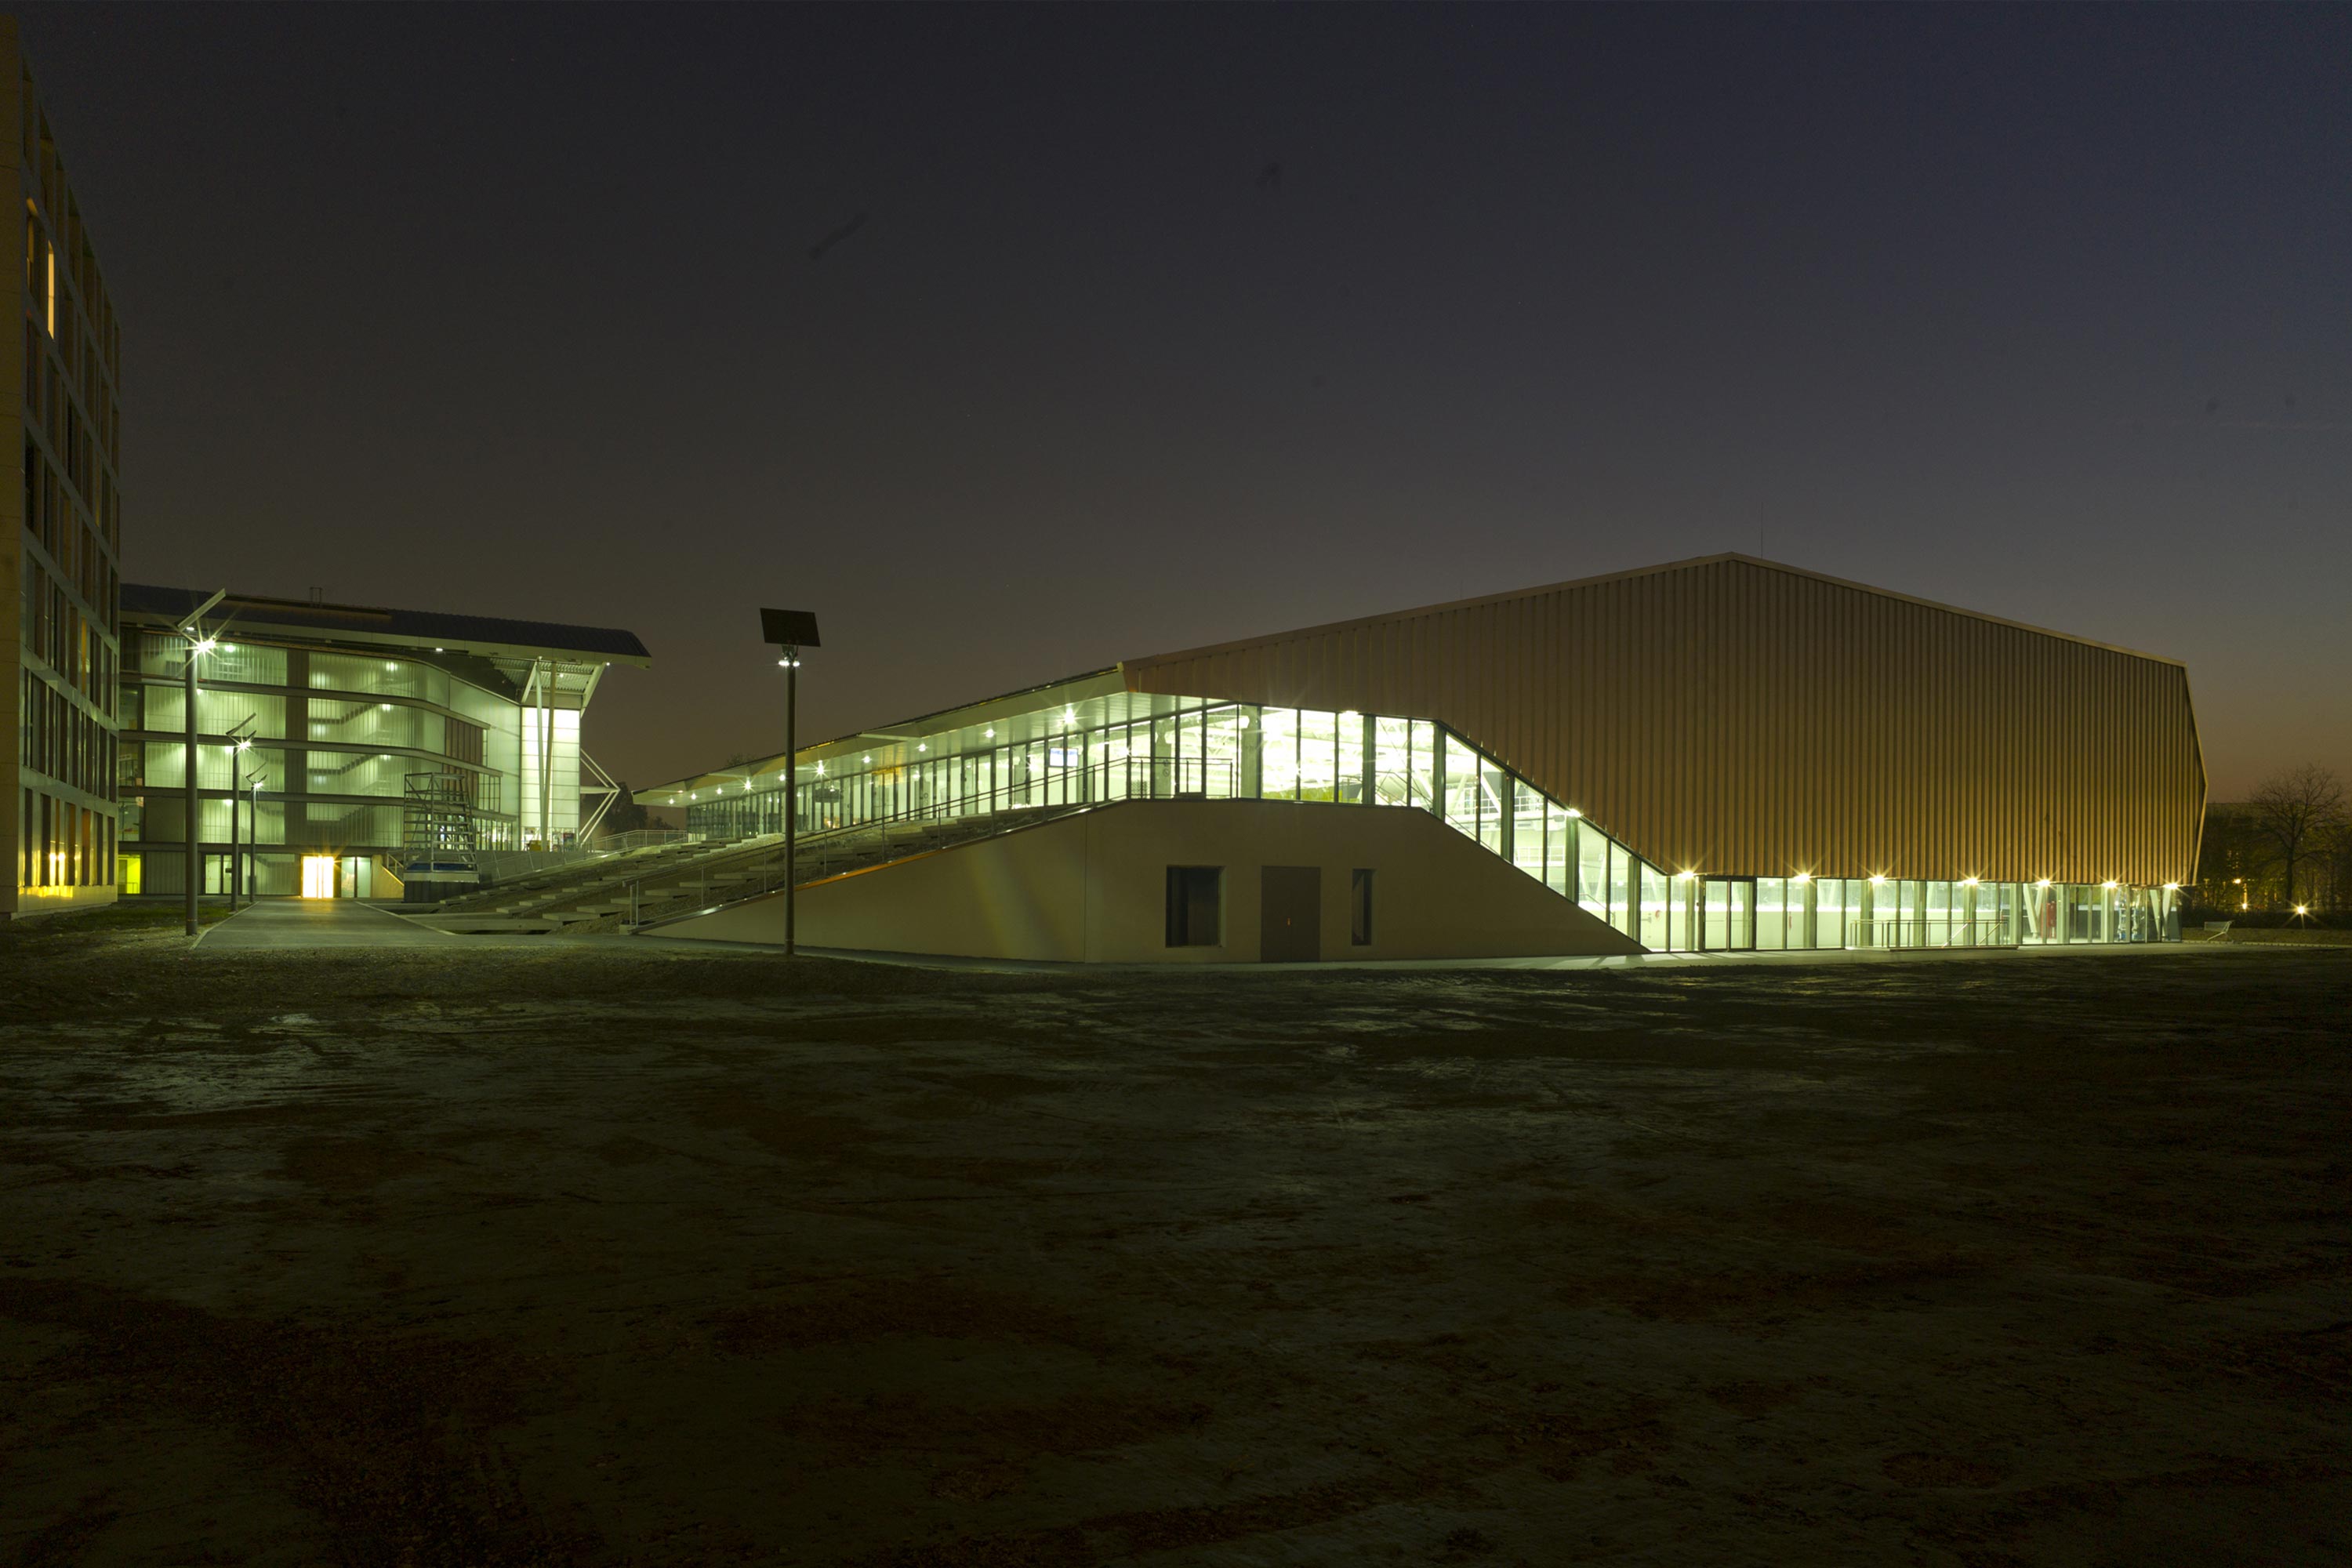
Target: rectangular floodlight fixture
x,y
789,628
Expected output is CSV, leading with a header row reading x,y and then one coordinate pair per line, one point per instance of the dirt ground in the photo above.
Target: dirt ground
x,y
597,1252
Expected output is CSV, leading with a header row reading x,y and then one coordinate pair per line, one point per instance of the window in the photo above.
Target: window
x,y
1196,906
1359,907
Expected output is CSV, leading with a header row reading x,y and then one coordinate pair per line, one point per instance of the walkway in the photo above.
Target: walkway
x,y
275,925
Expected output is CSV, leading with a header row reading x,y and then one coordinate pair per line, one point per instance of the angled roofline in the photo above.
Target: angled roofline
x,y
1719,559
491,637
1106,681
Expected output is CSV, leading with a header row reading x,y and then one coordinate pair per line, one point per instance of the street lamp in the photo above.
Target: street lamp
x,y
241,743
788,632
253,877
199,644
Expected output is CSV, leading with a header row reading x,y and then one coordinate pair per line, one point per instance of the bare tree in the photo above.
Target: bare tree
x,y
2295,811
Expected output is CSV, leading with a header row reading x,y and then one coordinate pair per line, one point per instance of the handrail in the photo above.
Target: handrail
x,y
1957,931
859,837
1184,770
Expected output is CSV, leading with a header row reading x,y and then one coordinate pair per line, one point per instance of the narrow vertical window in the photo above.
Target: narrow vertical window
x,y
1196,906
1359,907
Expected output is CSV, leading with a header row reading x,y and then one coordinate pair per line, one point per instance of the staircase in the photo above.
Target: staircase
x,y
534,902
832,854
632,892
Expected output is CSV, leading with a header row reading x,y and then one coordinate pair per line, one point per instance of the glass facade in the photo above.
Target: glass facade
x,y
1172,748
338,743
1136,746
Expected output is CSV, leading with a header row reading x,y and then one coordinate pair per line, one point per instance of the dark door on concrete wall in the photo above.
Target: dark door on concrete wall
x,y
1290,928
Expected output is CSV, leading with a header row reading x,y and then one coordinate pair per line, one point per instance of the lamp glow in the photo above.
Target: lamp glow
x,y
1802,877
1573,812
1878,881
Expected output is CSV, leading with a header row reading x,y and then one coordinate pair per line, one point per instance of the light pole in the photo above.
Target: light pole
x,y
199,644
240,744
789,631
253,871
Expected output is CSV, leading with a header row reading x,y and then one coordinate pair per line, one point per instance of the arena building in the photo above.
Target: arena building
x,y
1716,754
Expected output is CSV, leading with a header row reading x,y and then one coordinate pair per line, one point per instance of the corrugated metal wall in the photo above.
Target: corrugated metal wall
x,y
1733,717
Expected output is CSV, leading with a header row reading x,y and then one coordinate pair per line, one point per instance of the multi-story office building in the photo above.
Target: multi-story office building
x,y
1716,754
380,739
62,351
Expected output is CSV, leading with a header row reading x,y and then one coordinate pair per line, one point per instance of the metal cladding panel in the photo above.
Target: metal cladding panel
x,y
1734,717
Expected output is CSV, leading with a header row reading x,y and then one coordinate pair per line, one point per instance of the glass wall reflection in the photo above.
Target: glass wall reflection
x,y
1195,749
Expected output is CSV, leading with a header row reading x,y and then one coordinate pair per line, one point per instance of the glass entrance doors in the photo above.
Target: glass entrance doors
x,y
1727,923
318,876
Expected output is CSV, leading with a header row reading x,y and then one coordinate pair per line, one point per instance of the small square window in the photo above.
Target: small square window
x,y
1359,907
1196,906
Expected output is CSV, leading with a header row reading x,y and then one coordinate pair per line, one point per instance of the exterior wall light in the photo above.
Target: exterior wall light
x,y
1967,881
2043,883
205,645
2302,910
1802,877
989,734
1685,876
1878,881
925,746
2108,886
1573,812
2172,886
869,758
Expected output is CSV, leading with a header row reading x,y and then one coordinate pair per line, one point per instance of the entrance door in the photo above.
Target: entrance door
x,y
1290,921
1728,924
318,876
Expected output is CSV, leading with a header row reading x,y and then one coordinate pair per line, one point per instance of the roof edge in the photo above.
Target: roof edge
x,y
1686,563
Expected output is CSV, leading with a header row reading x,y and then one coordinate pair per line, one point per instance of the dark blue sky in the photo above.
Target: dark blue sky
x,y
2042,311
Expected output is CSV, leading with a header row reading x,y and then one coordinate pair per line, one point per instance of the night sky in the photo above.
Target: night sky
x,y
1015,341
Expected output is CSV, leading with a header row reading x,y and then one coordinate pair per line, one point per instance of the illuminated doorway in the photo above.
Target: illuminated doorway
x,y
318,876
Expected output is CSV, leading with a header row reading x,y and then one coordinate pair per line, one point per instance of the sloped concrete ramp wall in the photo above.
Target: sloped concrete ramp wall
x,y
1092,889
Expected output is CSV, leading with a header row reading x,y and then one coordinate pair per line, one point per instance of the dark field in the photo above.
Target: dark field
x,y
599,1254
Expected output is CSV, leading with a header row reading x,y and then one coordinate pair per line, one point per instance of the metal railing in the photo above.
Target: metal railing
x,y
642,838
917,826
1185,778
1991,931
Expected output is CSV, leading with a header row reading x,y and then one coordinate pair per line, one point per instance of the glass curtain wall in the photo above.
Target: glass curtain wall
x,y
1191,749
1211,750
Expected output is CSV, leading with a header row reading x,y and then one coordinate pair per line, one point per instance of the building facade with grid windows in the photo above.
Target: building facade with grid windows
x,y
58,572
338,746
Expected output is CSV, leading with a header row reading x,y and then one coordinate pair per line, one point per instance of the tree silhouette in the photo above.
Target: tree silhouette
x,y
2295,811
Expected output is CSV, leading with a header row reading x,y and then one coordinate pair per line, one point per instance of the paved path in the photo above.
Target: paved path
x,y
277,925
